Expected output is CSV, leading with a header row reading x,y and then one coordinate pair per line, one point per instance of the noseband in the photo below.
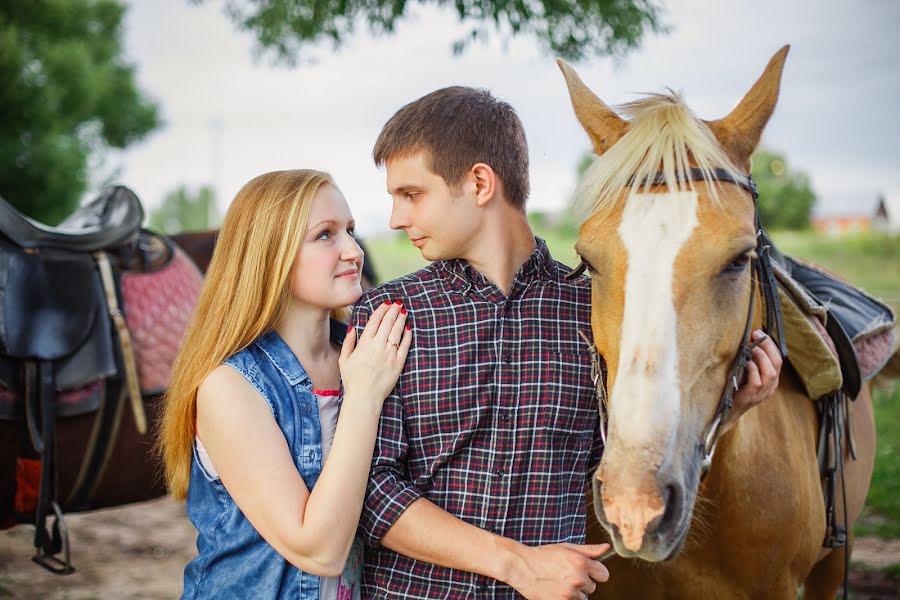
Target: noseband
x,y
762,277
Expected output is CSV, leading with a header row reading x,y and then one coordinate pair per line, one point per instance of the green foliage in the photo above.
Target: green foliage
x,y
183,210
882,514
67,95
585,162
572,29
785,196
870,261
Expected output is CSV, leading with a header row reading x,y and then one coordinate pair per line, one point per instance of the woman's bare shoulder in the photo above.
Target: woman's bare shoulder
x,y
226,390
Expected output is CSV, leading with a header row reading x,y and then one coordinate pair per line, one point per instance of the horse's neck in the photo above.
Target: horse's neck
x,y
750,455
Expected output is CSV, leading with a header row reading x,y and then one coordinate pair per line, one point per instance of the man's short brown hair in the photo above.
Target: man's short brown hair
x,y
458,127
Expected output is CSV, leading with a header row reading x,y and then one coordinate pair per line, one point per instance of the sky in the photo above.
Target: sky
x,y
230,114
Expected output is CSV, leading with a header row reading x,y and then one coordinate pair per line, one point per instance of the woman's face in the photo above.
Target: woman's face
x,y
327,269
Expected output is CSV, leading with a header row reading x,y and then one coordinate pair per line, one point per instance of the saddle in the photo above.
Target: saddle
x,y
72,334
837,335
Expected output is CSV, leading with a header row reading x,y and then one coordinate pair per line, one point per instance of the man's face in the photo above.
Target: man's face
x,y
440,221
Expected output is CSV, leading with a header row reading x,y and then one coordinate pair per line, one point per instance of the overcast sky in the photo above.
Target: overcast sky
x,y
229,116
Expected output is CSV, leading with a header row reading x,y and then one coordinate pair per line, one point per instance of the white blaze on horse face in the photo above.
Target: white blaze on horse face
x,y
645,404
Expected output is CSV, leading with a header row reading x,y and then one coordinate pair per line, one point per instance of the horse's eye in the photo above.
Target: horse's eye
x,y
738,264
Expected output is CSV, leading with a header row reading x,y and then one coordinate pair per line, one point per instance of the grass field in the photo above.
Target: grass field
x,y
871,262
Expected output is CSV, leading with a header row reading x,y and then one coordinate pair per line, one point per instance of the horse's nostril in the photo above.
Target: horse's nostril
x,y
672,502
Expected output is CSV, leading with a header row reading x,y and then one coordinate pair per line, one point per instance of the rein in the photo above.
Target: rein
x,y
762,277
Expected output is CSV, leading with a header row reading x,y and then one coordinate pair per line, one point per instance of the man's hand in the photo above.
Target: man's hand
x,y
761,380
558,571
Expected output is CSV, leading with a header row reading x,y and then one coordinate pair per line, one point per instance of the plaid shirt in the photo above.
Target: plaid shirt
x,y
492,419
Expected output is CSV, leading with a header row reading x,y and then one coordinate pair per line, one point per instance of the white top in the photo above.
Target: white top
x,y
347,585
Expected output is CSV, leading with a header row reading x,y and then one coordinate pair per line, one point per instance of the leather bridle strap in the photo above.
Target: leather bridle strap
x,y
732,383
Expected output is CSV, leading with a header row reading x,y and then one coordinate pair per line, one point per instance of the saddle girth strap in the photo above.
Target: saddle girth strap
x,y
131,374
834,423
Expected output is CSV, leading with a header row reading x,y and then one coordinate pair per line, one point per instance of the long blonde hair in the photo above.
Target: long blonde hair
x,y
245,294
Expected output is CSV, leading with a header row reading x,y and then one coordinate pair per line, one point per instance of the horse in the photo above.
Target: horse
x,y
199,245
92,318
681,275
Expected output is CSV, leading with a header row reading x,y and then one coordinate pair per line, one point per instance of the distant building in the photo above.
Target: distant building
x,y
842,224
887,214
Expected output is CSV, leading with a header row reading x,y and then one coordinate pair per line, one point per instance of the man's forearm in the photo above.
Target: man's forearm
x,y
428,533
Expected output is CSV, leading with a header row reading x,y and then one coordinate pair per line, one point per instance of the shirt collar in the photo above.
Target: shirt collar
x,y
467,278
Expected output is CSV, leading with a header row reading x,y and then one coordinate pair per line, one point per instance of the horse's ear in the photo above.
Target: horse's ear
x,y
741,130
602,124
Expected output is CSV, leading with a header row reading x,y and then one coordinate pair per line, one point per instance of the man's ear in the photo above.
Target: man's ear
x,y
486,183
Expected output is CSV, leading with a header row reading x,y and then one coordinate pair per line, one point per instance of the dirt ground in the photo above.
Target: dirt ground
x,y
139,552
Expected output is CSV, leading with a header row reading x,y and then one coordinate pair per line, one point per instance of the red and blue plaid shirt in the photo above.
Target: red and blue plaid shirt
x,y
493,418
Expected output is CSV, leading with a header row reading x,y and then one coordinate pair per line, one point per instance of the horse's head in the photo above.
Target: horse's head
x,y
670,262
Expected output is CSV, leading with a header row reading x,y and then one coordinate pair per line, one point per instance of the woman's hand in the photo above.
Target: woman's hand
x,y
371,365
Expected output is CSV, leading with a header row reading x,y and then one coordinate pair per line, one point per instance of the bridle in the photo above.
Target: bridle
x,y
762,277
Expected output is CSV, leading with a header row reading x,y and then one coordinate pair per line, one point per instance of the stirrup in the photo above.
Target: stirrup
x,y
49,548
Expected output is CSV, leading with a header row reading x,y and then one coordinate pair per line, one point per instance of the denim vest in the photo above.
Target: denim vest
x,y
234,560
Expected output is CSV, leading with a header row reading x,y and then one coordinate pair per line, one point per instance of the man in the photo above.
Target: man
x,y
477,486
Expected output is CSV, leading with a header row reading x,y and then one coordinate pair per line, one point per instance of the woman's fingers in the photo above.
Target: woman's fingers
x,y
348,345
375,319
387,323
395,335
405,343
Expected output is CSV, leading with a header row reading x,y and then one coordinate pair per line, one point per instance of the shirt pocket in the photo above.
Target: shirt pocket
x,y
568,395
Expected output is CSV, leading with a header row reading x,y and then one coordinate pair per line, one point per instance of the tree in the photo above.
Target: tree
x,y
67,96
786,197
572,29
183,210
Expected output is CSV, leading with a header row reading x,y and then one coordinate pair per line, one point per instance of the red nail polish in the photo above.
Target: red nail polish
x,y
402,311
407,328
387,302
398,302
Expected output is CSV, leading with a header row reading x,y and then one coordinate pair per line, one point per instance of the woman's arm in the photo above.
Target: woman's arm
x,y
313,530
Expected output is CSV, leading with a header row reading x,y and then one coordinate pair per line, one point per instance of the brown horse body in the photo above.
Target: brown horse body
x,y
673,257
131,475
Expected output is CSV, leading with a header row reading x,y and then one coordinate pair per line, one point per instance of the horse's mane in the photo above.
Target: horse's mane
x,y
663,135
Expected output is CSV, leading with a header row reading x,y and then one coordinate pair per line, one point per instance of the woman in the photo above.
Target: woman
x,y
251,413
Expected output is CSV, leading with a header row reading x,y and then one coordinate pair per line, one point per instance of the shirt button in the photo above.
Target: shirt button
x,y
312,455
500,472
507,359
505,417
308,407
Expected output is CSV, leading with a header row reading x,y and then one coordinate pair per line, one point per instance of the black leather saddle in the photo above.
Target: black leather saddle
x,y
110,220
62,329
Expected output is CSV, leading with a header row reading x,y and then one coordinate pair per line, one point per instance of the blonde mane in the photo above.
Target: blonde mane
x,y
663,135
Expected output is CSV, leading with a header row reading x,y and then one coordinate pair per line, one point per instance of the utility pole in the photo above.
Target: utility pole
x,y
217,159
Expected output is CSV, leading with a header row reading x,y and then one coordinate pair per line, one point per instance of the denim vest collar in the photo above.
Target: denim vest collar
x,y
284,358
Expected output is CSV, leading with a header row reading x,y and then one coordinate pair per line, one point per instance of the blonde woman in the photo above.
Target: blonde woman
x,y
250,433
